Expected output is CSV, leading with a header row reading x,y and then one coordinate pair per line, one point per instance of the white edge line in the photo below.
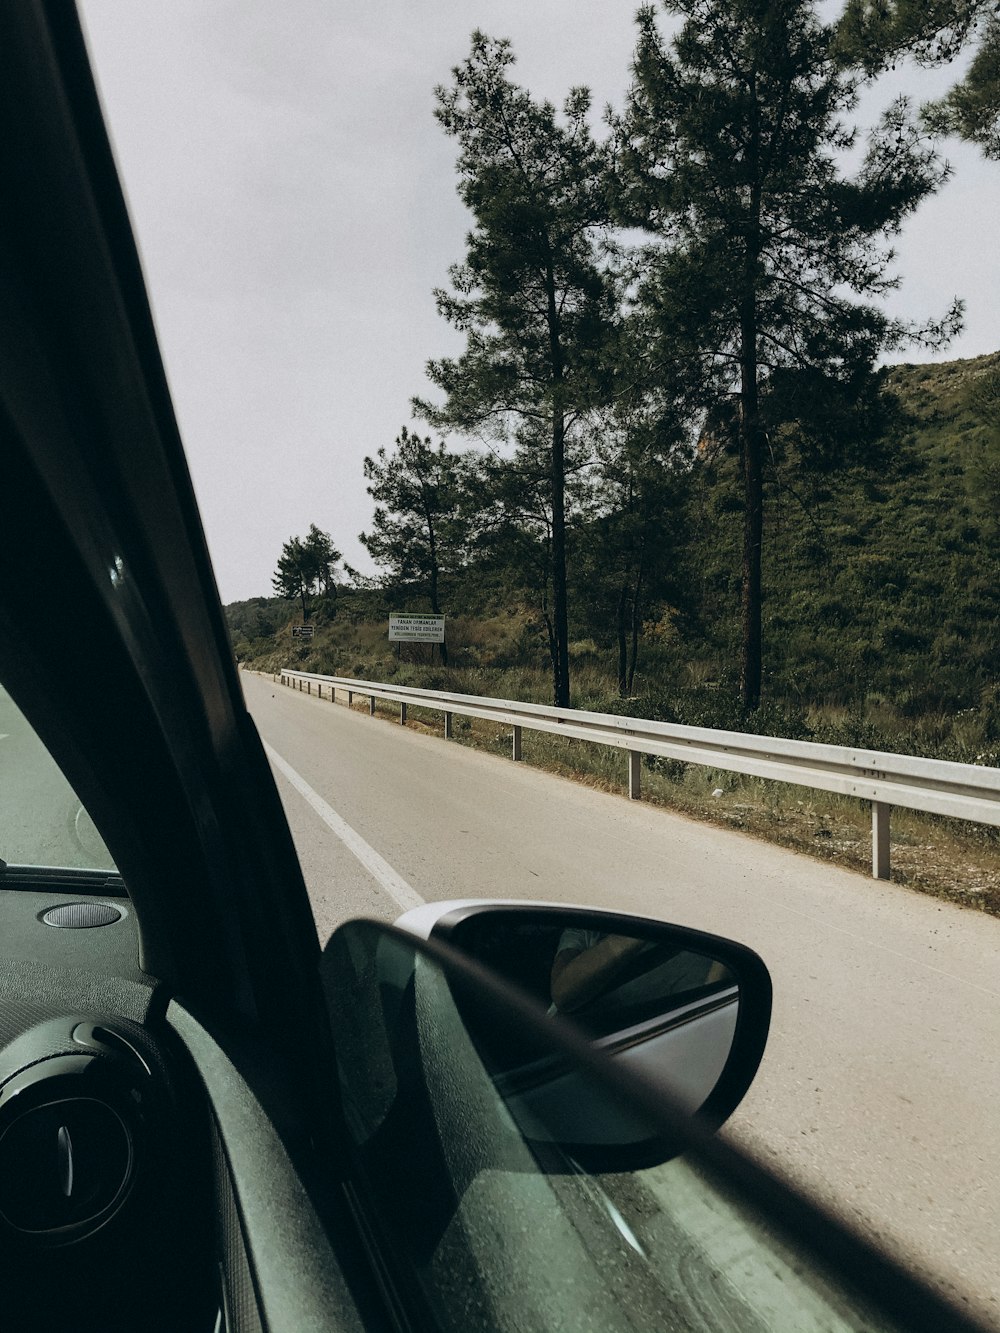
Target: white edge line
x,y
377,866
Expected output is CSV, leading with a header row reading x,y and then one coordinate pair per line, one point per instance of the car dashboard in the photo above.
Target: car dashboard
x,y
118,1202
105,1148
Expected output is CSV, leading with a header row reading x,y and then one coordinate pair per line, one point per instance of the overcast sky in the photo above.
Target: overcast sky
x,y
294,201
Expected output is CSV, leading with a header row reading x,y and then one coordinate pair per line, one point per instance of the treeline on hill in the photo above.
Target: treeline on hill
x,y
881,596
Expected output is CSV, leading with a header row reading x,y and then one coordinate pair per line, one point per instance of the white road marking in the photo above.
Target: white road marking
x,y
377,866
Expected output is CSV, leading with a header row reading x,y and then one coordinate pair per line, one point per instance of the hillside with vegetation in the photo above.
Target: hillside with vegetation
x,y
881,613
881,587
881,596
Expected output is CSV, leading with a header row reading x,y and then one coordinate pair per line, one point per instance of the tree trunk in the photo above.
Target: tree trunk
x,y
560,616
435,608
622,627
751,442
751,456
553,651
636,621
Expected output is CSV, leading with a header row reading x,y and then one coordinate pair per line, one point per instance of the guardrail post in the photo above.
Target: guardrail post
x,y
447,726
371,704
402,715
350,698
634,775
880,839
515,744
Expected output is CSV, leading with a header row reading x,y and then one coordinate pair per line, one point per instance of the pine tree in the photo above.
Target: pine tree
x,y
418,529
730,153
875,34
306,568
531,296
631,544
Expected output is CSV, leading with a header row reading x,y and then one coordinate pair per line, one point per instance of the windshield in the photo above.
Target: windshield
x,y
42,821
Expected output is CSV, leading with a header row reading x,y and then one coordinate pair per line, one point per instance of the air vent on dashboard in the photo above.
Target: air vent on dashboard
x,y
79,1108
63,1164
81,916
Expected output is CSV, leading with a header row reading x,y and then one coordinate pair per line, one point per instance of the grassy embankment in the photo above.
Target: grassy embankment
x,y
881,625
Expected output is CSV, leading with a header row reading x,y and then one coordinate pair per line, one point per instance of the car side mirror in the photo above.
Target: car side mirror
x,y
687,1011
476,1208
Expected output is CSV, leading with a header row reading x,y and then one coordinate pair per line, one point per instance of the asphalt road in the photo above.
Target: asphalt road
x,y
41,820
880,1087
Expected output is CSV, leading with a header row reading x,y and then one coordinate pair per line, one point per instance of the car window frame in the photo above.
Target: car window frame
x,y
132,686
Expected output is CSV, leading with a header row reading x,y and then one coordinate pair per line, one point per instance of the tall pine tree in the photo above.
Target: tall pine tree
x,y
731,151
531,296
418,531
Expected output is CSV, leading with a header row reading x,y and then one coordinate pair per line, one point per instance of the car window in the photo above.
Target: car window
x,y
42,820
294,186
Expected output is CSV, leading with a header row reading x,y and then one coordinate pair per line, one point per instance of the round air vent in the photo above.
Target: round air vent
x,y
75,1123
63,1164
82,916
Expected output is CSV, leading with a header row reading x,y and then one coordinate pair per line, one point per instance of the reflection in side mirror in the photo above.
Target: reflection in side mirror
x,y
687,1011
665,1011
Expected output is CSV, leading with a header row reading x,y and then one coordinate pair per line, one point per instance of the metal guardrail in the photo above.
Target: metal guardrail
x,y
962,791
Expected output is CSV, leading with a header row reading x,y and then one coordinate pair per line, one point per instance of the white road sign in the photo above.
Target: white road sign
x,y
416,629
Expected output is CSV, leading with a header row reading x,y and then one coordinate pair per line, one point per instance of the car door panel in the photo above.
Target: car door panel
x,y
270,1229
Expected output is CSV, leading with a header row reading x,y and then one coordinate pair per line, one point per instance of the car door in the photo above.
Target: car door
x,y
175,1081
